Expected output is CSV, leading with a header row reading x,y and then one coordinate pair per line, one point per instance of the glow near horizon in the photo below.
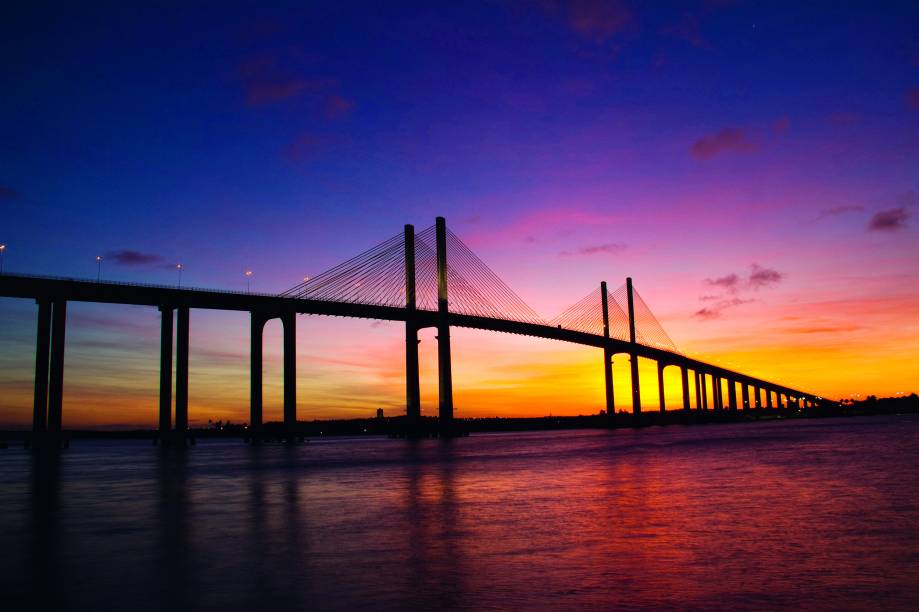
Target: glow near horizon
x,y
565,145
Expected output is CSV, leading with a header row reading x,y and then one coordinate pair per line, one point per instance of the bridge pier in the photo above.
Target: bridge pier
x,y
758,398
289,321
684,379
716,393
745,392
256,351
768,398
165,420
56,373
42,358
660,385
181,420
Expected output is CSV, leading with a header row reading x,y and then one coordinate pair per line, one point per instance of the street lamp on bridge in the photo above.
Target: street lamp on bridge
x,y
179,269
98,268
2,250
248,280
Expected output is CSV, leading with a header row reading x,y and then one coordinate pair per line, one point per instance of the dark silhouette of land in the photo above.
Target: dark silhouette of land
x,y
395,426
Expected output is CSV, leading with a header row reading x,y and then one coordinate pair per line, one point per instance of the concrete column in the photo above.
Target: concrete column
x,y
181,422
56,373
256,343
660,385
758,397
732,395
165,371
607,357
716,393
745,392
42,356
444,367
768,398
289,321
633,357
684,379
412,383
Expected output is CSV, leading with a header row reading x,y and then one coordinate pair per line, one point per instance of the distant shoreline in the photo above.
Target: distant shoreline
x,y
394,426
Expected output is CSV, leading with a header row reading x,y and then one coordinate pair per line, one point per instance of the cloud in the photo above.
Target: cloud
x,y
9,194
728,140
823,329
889,220
687,29
728,282
596,249
128,257
715,310
593,20
912,98
337,107
781,125
265,81
763,277
839,210
731,285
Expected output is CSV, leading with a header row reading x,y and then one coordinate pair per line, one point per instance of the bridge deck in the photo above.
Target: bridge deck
x,y
70,289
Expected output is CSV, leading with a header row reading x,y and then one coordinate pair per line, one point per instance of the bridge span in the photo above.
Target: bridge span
x,y
408,279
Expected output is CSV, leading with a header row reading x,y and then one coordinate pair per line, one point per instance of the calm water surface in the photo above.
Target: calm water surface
x,y
813,514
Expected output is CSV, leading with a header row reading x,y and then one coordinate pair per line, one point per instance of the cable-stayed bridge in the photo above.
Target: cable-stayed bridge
x,y
425,279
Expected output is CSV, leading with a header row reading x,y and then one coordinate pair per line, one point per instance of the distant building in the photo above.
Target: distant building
x,y
379,413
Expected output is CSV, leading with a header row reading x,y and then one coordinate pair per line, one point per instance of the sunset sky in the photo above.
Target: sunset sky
x,y
753,166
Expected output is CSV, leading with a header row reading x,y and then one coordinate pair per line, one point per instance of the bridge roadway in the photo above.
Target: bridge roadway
x,y
54,293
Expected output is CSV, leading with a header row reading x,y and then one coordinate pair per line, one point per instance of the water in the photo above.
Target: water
x,y
813,514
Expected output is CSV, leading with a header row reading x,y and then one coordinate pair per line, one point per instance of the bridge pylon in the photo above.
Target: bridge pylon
x,y
412,385
633,356
444,368
607,358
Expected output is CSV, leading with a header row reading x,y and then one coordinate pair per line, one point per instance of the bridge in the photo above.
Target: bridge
x,y
424,279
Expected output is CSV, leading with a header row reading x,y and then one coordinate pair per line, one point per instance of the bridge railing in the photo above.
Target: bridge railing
x,y
176,287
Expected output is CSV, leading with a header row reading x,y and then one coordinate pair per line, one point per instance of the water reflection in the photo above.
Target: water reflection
x,y
677,517
43,552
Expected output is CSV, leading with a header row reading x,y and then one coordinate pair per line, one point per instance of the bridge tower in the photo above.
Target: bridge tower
x,y
412,385
633,357
607,358
445,373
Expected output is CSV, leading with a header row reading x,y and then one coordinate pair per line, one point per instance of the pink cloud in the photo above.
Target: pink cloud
x,y
889,220
687,29
715,310
593,20
781,125
608,248
337,107
8,193
912,98
726,141
265,81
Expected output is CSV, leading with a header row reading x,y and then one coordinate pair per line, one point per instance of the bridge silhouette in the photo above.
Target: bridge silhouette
x,y
424,279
